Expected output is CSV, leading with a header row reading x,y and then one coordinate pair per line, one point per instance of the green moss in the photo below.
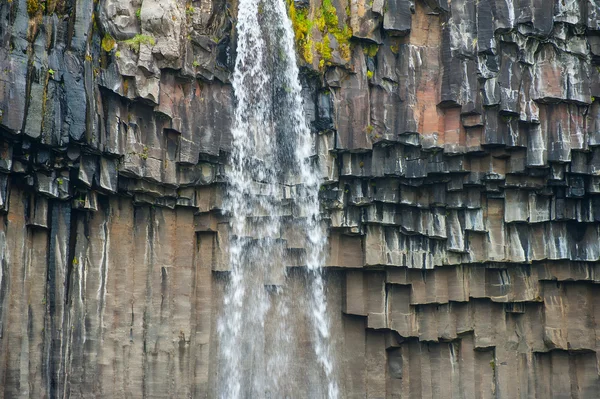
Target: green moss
x,y
320,21
108,43
332,23
330,15
307,51
50,6
371,50
326,22
343,38
324,48
301,23
138,13
51,71
369,74
32,7
135,42
94,23
303,26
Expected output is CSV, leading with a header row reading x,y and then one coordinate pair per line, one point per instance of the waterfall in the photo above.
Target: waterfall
x,y
272,180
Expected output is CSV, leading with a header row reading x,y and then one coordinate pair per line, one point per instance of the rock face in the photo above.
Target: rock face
x,y
459,145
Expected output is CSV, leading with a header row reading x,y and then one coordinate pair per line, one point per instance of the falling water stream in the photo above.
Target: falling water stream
x,y
272,180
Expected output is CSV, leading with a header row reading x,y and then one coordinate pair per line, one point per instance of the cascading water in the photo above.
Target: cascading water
x,y
271,171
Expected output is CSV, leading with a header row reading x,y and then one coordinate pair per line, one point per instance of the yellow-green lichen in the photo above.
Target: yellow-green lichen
x,y
343,35
303,26
329,15
371,50
320,21
32,7
343,38
324,49
108,43
327,22
50,6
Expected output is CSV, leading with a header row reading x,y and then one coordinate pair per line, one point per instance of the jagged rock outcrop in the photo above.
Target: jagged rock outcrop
x,y
459,144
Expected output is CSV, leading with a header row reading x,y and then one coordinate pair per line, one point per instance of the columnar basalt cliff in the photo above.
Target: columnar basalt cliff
x,y
458,144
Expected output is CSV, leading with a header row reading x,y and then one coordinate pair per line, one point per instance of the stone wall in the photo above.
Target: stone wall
x,y
459,143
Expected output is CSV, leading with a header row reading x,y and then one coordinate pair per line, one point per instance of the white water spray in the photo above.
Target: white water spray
x,y
271,142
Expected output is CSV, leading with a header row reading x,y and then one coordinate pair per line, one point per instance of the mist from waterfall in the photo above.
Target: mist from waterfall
x,y
273,186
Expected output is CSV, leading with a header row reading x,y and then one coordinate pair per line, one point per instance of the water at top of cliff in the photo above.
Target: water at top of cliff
x,y
272,194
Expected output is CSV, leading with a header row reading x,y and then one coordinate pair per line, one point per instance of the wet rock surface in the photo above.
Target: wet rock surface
x,y
459,145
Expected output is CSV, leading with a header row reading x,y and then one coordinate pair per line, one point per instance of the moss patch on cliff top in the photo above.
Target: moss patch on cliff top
x,y
329,15
303,26
327,22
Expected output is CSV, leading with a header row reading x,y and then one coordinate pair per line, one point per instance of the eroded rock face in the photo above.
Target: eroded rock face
x,y
459,145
